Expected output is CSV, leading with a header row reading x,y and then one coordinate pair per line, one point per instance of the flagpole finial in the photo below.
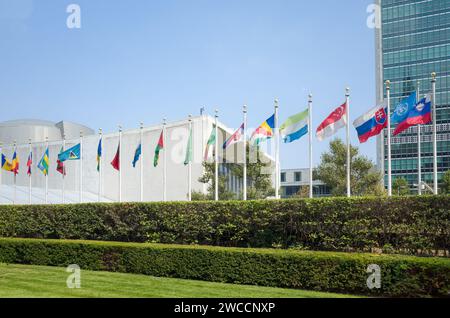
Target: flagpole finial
x,y
433,77
164,121
310,96
347,91
120,128
142,125
190,117
276,102
388,84
244,108
216,112
81,133
100,131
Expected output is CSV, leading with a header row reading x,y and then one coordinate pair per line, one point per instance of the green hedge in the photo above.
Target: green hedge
x,y
411,225
321,271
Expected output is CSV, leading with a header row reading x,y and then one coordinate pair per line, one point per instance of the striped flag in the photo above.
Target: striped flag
x,y
295,127
99,154
15,163
235,138
211,142
264,132
159,147
44,163
29,163
335,121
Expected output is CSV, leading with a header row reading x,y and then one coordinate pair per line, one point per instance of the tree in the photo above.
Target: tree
x,y
445,188
259,184
400,187
364,178
302,193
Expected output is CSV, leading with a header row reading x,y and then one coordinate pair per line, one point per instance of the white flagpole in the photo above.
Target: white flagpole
x,y
244,182
29,176
310,147
81,167
142,164
388,96
190,161
100,166
435,176
46,175
15,177
419,150
63,176
216,159
120,163
164,162
277,153
347,100
202,113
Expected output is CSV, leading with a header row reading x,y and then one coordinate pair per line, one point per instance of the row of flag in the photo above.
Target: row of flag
x,y
407,113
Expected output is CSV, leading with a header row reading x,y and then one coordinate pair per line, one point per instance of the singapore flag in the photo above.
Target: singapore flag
x,y
335,121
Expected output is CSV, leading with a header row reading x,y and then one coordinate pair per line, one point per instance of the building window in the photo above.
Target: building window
x,y
298,176
283,177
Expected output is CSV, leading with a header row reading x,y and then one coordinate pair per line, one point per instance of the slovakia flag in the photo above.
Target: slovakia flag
x,y
420,114
335,121
371,123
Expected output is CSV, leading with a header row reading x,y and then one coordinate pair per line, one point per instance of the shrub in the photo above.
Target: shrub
x,y
321,271
412,225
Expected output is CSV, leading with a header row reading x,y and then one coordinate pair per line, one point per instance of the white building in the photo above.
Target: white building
x,y
292,180
106,183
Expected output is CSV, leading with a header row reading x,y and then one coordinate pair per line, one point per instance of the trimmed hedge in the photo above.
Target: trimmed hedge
x,y
411,225
321,271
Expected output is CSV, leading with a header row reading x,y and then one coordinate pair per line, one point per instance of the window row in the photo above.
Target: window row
x,y
412,9
416,24
433,37
415,55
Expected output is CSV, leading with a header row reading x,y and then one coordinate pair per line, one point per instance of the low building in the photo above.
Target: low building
x,y
293,180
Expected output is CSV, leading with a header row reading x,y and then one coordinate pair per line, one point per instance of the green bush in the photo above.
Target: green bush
x,y
411,225
321,271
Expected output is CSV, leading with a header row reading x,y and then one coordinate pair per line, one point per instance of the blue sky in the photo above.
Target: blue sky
x,y
143,60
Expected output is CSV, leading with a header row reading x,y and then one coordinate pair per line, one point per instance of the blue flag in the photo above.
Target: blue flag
x,y
70,154
137,154
402,110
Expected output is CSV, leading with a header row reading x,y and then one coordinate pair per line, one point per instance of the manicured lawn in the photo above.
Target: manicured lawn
x,y
44,281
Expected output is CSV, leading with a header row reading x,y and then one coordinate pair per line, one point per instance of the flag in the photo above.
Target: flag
x,y
211,142
99,154
295,127
116,161
29,163
188,157
6,164
70,154
371,123
15,163
235,138
60,164
402,109
264,132
159,147
335,121
137,155
418,115
44,163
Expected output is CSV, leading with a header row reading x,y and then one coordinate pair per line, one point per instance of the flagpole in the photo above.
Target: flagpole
x,y
142,164
46,175
29,176
190,162
388,115
244,183
1,168
311,195
120,163
63,176
277,153
100,167
164,161
81,167
15,176
419,150
202,113
216,159
347,100
435,177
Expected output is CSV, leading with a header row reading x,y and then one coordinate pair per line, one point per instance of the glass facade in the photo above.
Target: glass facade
x,y
415,41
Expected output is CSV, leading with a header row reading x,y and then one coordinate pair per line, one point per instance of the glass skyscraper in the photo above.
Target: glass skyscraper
x,y
413,42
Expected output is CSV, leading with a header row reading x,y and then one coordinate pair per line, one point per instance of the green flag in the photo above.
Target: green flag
x,y
211,142
188,157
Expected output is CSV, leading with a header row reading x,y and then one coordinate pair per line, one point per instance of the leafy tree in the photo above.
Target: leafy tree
x,y
364,178
445,188
259,184
302,193
400,187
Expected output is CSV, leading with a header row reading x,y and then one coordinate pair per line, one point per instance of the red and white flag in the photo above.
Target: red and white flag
x,y
335,121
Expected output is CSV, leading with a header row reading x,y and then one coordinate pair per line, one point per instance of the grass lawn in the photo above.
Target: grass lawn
x,y
43,281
